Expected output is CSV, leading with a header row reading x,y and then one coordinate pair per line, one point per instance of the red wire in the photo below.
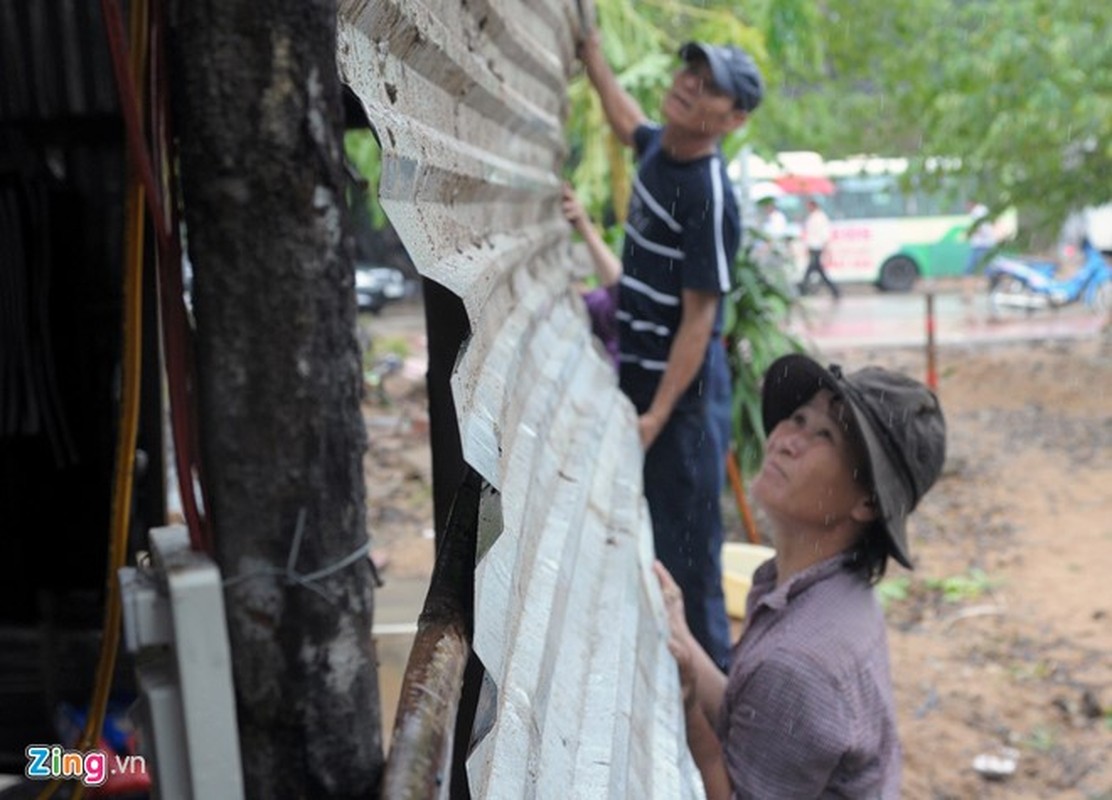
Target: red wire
x,y
176,331
181,369
129,107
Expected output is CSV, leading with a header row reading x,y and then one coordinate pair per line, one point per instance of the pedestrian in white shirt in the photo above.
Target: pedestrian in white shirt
x,y
816,236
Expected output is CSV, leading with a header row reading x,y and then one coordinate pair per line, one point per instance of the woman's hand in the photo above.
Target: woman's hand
x,y
589,44
680,641
572,208
673,602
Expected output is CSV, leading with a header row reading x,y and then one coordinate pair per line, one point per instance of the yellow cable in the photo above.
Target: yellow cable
x,y
132,343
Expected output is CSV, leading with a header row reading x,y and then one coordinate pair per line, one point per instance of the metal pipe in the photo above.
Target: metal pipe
x,y
932,372
739,495
420,762
424,753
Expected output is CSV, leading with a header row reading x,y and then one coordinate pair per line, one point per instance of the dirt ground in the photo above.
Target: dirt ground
x,y
1001,638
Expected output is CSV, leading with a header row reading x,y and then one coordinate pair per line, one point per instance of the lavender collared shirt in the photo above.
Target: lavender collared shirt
x,y
808,710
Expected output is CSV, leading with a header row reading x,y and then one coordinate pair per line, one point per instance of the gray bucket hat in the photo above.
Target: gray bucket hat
x,y
900,421
733,70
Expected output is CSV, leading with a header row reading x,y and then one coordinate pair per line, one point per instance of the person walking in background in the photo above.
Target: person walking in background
x,y
816,236
807,707
681,237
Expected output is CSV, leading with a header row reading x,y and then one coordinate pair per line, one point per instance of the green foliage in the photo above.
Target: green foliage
x,y
1028,100
893,590
951,589
1042,739
641,41
382,346
753,325
1018,90
381,360
789,27
1039,670
958,588
363,152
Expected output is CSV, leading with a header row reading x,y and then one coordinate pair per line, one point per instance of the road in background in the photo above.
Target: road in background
x,y
865,317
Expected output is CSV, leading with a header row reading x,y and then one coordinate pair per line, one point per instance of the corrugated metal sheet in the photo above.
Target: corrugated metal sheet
x,y
54,61
469,101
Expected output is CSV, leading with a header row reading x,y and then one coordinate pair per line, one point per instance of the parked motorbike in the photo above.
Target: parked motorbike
x,y
1015,284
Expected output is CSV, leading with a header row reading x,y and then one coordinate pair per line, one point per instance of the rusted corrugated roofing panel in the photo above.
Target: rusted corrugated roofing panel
x,y
469,102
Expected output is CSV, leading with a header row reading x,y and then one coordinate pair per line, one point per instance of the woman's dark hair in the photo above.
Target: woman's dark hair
x,y
870,555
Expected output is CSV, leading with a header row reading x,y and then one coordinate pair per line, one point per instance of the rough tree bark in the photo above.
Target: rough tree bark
x,y
259,119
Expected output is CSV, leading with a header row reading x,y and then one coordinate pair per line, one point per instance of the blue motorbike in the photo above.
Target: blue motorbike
x,y
1030,286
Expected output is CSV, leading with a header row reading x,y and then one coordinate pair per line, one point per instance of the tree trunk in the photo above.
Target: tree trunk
x,y
259,119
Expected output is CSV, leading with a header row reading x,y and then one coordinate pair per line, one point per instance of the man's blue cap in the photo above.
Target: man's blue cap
x,y
733,70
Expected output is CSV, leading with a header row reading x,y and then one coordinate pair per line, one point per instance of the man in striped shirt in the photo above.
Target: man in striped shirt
x,y
681,235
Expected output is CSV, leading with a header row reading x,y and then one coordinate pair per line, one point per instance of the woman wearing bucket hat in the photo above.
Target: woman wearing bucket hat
x,y
807,709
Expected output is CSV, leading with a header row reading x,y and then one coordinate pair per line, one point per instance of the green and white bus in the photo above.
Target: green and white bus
x,y
882,230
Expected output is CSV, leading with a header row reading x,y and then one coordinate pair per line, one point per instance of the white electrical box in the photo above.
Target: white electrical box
x,y
175,626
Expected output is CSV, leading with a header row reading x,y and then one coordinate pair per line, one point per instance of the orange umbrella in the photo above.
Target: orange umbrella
x,y
805,184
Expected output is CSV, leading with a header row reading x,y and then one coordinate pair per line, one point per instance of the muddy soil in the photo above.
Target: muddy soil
x,y
1001,638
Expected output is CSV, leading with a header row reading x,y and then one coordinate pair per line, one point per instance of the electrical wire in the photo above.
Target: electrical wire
x,y
176,329
132,339
150,186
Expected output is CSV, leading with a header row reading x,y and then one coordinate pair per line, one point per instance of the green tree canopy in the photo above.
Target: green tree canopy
x,y
1019,90
641,41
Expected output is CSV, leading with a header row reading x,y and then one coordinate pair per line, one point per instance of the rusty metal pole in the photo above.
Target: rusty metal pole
x,y
734,473
447,326
436,708
932,372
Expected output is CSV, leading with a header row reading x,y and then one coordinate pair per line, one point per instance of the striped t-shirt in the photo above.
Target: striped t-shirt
x,y
682,232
